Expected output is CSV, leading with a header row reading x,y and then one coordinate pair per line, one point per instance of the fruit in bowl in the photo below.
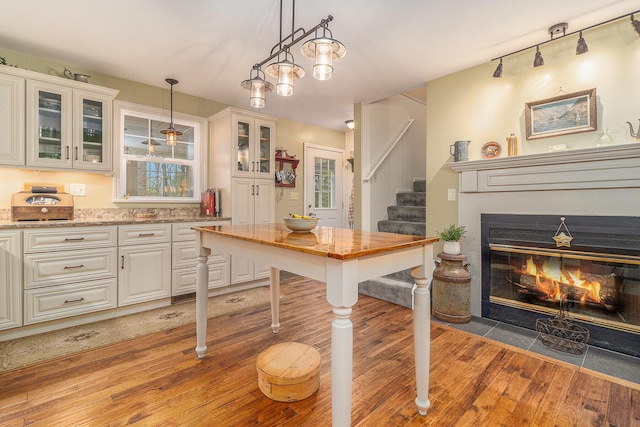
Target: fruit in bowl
x,y
300,223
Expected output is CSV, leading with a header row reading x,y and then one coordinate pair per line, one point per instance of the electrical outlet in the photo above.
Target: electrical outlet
x,y
77,189
451,194
293,196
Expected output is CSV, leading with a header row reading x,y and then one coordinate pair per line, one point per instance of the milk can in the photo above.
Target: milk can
x,y
451,289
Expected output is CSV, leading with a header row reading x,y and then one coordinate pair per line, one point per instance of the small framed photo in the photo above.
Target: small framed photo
x,y
561,115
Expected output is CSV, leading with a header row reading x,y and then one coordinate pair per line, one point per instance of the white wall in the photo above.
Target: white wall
x,y
382,123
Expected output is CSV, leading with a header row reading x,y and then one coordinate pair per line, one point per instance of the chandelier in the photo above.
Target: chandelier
x,y
322,48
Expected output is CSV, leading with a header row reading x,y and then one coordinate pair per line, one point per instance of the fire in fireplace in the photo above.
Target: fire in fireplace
x,y
526,274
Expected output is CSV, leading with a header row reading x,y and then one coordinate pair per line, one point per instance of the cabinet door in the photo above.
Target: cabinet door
x,y
92,131
12,90
264,201
49,124
144,273
10,280
243,201
242,147
264,152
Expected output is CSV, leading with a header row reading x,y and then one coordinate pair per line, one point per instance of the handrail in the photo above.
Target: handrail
x,y
389,150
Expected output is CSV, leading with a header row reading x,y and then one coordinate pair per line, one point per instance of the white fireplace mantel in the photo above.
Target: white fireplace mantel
x,y
616,166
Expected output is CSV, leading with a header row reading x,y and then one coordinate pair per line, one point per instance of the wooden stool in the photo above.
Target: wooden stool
x,y
289,371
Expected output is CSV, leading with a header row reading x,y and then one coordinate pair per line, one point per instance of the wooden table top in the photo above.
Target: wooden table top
x,y
338,243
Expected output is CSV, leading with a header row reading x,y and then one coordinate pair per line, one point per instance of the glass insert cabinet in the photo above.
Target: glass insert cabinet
x,y
254,148
68,128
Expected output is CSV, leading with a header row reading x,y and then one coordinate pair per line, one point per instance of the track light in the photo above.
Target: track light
x,y
538,61
498,72
560,31
582,46
172,133
635,24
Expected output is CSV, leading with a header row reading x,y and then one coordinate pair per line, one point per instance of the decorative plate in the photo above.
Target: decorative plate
x,y
491,150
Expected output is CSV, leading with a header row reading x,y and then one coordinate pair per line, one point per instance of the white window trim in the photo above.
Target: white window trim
x,y
200,125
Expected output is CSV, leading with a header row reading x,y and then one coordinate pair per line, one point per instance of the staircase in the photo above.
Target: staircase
x,y
408,216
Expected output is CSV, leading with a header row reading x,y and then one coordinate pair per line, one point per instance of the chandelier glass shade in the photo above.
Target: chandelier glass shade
x,y
286,71
323,50
258,87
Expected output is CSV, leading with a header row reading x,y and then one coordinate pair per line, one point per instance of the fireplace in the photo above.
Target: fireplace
x,y
592,267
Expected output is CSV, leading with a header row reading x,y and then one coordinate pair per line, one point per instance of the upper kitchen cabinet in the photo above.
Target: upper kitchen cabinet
x,y
68,128
51,122
250,137
12,120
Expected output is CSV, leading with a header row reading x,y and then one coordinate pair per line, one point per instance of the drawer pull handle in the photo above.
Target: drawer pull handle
x,y
73,300
71,267
146,234
75,239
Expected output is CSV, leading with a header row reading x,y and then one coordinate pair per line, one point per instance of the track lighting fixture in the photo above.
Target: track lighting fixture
x,y
560,31
172,133
582,46
323,49
635,24
538,61
498,72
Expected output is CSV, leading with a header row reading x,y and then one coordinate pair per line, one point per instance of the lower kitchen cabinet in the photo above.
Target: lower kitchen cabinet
x,y
144,273
10,279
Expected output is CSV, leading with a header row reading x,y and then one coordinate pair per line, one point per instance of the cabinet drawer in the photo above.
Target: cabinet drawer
x,y
56,302
183,254
143,234
45,240
182,231
46,269
183,281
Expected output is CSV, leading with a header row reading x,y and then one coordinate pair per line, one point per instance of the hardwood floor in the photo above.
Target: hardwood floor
x,y
157,380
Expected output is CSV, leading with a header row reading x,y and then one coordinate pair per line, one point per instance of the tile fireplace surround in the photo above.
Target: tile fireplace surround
x,y
602,181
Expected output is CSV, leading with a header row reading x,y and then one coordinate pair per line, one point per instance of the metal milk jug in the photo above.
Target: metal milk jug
x,y
460,151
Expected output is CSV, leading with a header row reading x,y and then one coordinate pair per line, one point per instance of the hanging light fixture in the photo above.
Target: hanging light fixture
x,y
258,87
498,72
172,133
538,61
560,30
324,50
286,71
581,47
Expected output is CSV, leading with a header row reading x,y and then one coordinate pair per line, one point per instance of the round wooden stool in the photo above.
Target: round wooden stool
x,y
289,371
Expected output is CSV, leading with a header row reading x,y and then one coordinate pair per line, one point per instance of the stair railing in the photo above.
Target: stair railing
x,y
389,150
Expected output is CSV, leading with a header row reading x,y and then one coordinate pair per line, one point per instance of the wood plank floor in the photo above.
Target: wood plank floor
x,y
157,380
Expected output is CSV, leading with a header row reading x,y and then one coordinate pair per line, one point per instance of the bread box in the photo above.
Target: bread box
x,y
41,203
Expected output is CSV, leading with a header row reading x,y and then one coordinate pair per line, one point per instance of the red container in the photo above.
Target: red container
x,y
208,203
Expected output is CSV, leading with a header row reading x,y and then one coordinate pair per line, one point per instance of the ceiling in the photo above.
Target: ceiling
x,y
210,45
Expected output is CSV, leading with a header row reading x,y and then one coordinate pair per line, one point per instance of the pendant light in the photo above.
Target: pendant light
x,y
323,50
286,71
172,133
538,61
581,47
258,87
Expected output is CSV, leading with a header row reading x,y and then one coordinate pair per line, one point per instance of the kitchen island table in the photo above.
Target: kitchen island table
x,y
341,258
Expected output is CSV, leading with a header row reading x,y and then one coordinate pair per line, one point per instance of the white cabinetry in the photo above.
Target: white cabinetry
x,y
144,254
67,127
12,124
184,260
68,271
242,167
10,279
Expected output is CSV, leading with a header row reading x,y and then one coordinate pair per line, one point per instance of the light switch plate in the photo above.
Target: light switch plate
x,y
451,194
77,189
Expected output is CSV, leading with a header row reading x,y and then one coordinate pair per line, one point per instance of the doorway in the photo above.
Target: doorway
x,y
324,185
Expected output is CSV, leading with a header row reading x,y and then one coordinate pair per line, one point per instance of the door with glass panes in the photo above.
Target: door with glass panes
x,y
323,185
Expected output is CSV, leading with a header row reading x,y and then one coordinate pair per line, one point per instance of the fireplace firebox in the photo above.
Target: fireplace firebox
x,y
593,269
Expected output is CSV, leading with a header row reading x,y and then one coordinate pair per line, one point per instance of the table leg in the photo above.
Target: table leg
x,y
274,286
422,340
341,366
202,295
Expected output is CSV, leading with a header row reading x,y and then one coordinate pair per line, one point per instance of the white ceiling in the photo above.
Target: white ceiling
x,y
393,46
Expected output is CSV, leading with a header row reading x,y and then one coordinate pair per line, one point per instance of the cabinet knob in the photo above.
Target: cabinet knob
x,y
44,210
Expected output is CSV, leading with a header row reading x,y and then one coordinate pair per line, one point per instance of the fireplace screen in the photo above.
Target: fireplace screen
x,y
599,288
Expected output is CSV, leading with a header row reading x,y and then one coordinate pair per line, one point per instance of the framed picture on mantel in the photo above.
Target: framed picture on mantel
x,y
561,115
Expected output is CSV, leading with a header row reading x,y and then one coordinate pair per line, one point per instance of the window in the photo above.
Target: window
x,y
149,169
325,183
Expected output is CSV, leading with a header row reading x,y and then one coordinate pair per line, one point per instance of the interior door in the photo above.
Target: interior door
x,y
323,184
